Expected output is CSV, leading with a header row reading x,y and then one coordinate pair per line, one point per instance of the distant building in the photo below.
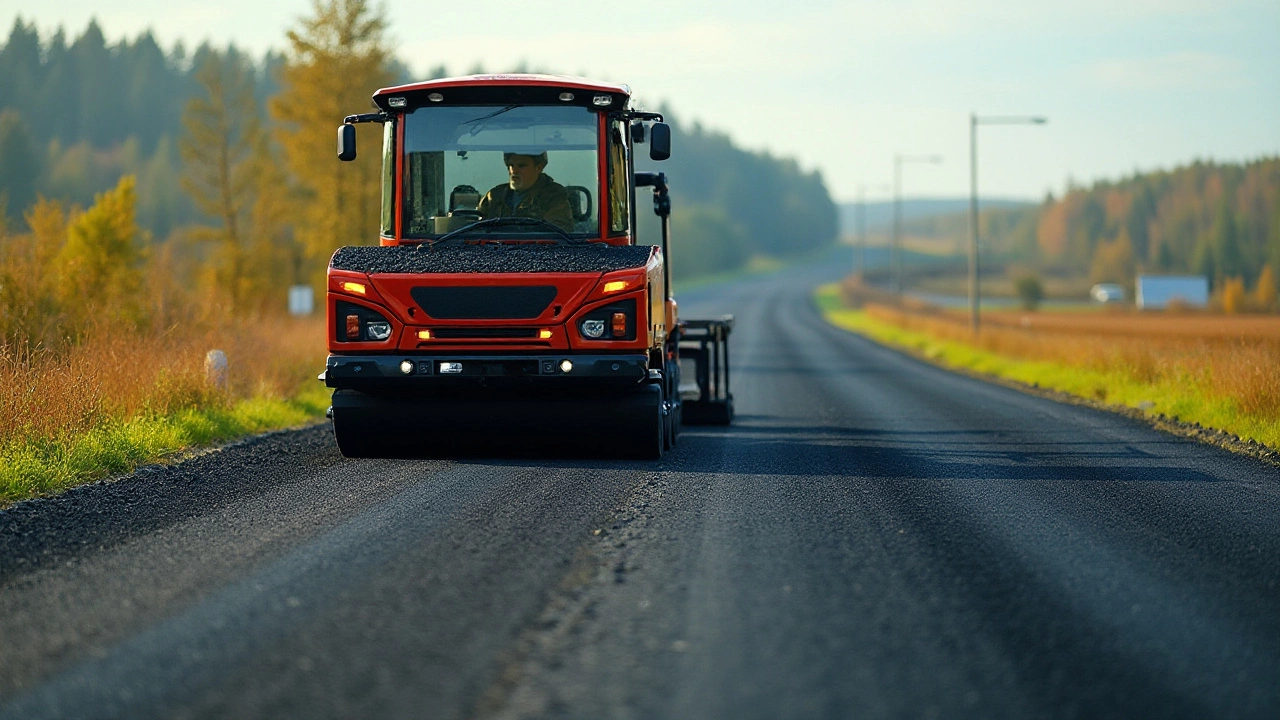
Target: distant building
x,y
1156,292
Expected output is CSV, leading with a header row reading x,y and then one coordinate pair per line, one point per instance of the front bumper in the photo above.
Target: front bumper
x,y
430,372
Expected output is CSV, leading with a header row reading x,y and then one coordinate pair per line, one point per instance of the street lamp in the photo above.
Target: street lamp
x,y
974,122
898,161
860,265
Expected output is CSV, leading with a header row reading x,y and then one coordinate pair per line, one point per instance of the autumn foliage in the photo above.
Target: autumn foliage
x,y
100,322
335,60
1217,220
97,328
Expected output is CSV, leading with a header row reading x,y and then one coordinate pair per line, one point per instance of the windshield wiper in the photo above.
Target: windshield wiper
x,y
508,220
475,130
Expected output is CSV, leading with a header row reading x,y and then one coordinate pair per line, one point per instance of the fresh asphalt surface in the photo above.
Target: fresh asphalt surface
x,y
872,538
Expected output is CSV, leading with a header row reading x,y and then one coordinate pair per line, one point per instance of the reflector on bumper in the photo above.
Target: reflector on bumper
x,y
388,372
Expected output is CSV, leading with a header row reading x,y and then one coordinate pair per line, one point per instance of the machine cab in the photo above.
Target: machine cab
x,y
507,158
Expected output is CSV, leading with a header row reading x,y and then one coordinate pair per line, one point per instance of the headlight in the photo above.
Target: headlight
x,y
377,330
356,323
615,321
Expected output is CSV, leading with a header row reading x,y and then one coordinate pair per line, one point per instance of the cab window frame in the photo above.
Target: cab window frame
x,y
426,157
389,176
618,160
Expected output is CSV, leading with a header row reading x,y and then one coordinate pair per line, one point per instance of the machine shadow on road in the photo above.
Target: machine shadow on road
x,y
764,446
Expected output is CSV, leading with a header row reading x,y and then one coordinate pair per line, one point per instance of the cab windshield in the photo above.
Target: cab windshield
x,y
464,164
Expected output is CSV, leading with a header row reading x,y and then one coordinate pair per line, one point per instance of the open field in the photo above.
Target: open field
x,y
1213,370
1056,289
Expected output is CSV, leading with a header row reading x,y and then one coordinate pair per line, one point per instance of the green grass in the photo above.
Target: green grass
x,y
1184,401
35,469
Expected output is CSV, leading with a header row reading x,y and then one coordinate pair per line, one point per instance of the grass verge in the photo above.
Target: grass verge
x,y
35,468
1182,396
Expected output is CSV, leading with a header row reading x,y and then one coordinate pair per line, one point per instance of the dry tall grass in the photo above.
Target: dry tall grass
x,y
48,393
1235,359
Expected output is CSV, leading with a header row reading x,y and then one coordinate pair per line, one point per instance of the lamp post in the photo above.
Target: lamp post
x,y
898,161
975,293
860,265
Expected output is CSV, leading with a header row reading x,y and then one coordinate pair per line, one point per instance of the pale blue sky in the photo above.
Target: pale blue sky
x,y
843,86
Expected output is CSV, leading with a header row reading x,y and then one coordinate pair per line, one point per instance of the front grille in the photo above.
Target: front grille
x,y
463,302
455,333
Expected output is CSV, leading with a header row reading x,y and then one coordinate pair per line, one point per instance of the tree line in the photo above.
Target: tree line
x,y
77,115
1219,220
729,204
230,159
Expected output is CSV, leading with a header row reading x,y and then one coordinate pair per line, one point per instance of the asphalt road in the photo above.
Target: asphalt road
x,y
872,538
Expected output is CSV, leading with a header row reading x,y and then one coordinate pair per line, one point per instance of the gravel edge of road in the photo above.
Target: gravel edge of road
x,y
103,500
166,462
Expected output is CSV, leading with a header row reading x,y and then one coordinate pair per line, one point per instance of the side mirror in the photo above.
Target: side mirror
x,y
659,141
346,142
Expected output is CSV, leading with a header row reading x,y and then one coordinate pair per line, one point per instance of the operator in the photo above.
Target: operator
x,y
529,193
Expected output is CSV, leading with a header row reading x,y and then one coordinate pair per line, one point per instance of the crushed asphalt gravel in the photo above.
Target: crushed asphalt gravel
x,y
489,258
